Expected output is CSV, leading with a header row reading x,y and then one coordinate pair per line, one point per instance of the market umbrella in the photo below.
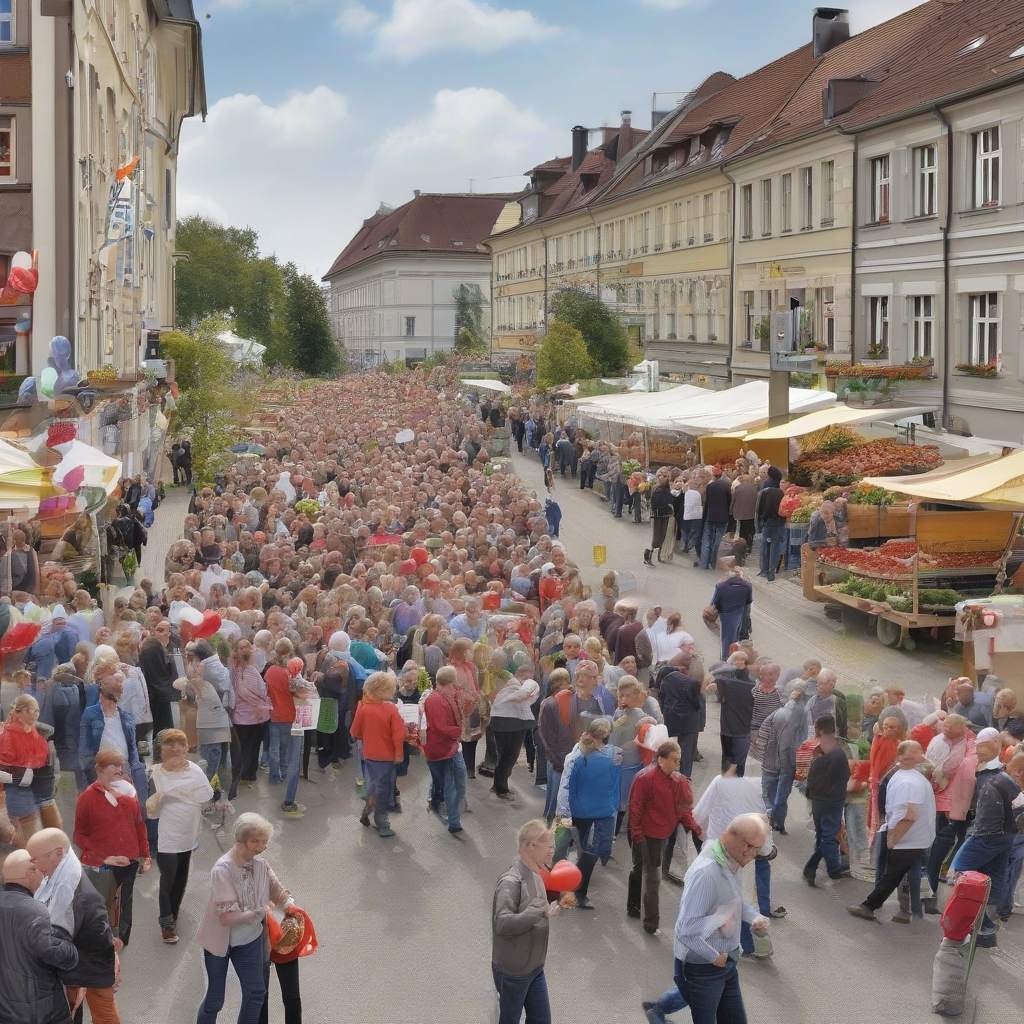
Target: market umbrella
x,y
83,465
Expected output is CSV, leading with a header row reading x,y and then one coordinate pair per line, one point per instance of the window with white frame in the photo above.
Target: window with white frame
x,y
828,192
724,211
691,231
786,202
926,182
747,210
645,237
880,190
709,217
410,326
659,228
670,326
677,226
986,167
766,206
807,191
6,21
984,323
878,315
922,327
6,147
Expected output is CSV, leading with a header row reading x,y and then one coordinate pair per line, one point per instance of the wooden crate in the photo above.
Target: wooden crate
x,y
943,532
867,521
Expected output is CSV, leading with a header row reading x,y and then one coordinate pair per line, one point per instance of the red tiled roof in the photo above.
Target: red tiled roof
x,y
912,60
748,104
431,222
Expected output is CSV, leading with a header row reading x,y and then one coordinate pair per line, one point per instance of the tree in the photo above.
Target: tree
x,y
562,357
226,275
313,346
469,320
603,332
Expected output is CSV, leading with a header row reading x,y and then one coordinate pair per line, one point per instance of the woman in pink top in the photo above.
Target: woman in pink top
x,y
251,711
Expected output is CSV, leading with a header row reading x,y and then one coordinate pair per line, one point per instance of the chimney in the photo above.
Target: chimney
x,y
627,118
580,135
830,26
416,192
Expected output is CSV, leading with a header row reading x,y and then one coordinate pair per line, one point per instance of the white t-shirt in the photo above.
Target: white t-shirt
x,y
692,508
909,786
180,814
113,735
727,798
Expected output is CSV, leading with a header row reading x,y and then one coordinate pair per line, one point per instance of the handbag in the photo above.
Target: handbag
x,y
710,617
328,720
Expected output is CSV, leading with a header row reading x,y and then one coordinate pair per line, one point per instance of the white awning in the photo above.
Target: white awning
x,y
835,415
740,408
486,385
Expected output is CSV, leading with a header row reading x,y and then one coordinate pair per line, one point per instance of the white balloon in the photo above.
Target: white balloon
x,y
180,611
22,260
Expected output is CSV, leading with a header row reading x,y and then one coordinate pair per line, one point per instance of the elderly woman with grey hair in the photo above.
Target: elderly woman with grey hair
x,y
234,927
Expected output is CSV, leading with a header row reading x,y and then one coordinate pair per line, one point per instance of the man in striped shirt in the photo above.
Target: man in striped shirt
x,y
707,932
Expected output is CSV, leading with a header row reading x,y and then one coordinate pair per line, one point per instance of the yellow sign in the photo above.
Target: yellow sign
x,y
600,554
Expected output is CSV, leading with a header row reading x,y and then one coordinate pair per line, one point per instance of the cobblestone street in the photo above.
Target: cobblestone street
x,y
404,924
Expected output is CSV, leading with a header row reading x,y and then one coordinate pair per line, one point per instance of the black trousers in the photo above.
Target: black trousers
x,y
125,878
288,979
173,879
162,719
249,739
897,864
508,745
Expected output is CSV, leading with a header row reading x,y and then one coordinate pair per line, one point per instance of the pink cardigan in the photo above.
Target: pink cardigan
x,y
955,798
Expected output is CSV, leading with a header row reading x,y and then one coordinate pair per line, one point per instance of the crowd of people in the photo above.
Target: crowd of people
x,y
371,601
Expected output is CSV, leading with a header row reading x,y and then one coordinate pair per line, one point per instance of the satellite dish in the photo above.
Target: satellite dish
x,y
405,435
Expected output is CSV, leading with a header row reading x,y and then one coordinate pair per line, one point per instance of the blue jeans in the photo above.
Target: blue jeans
x,y
518,992
280,742
773,538
380,777
448,779
828,817
713,534
554,780
619,492
763,881
714,993
253,975
292,771
775,788
1014,863
691,534
673,1000
857,827
989,855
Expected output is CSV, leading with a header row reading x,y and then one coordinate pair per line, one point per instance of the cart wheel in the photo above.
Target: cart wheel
x,y
887,632
853,621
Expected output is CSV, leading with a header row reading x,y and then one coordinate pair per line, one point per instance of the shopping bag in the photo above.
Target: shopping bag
x,y
328,720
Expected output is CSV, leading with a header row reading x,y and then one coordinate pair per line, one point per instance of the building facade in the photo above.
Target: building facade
x,y
395,290
93,94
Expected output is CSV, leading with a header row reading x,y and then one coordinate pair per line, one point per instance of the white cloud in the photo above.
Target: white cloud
x,y
670,5
417,27
305,175
356,19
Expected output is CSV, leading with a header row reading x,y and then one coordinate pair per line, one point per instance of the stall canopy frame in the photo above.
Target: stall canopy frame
x,y
834,416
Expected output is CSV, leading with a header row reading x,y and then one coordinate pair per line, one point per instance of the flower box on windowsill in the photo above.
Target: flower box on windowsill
x,y
978,369
881,353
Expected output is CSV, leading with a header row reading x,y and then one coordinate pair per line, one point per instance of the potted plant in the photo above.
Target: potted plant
x,y
990,369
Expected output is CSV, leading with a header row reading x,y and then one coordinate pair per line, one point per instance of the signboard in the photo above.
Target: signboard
x,y
600,554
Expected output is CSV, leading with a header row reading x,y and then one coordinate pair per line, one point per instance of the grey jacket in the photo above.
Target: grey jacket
x,y
32,952
794,732
519,928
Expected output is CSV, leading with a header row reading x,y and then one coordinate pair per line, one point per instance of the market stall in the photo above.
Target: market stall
x,y
992,631
940,553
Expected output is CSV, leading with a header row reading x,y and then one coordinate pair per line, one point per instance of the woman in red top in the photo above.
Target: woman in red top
x,y
111,834
379,725
23,751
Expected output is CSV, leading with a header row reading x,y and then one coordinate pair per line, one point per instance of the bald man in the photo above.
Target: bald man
x,y
707,932
32,950
75,905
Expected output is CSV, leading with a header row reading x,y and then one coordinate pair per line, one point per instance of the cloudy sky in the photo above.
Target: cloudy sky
x,y
322,109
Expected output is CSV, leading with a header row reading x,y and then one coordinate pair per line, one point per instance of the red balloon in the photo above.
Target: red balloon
x,y
19,637
545,877
419,555
22,280
210,624
565,877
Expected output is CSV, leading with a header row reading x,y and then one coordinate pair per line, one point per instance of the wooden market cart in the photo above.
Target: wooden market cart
x,y
936,533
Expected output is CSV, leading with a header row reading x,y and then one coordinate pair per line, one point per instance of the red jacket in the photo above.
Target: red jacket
x,y
658,804
102,830
444,727
380,727
278,690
